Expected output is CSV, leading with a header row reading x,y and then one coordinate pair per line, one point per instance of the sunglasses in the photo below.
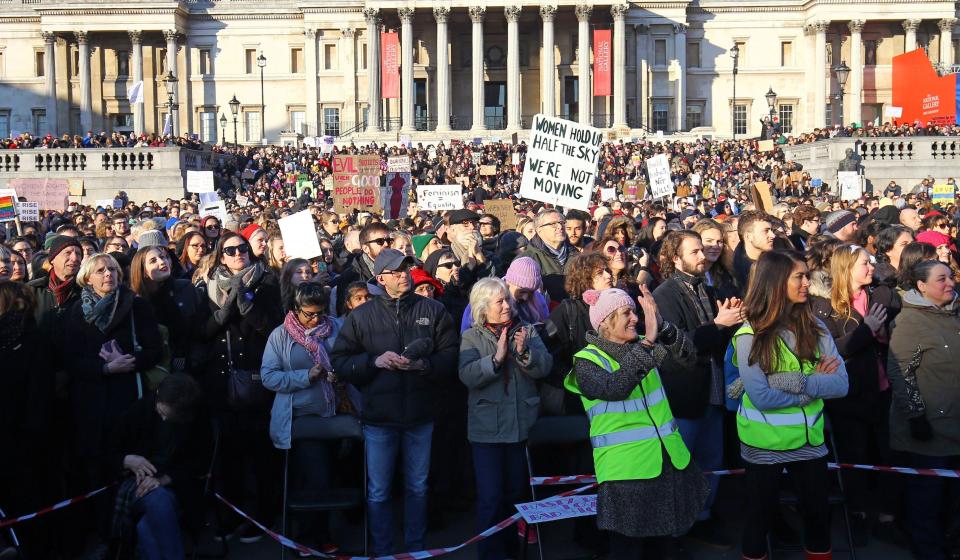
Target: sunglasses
x,y
379,241
611,250
234,250
213,227
449,265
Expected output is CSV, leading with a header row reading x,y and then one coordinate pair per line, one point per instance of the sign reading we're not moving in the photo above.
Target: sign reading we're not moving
x,y
561,165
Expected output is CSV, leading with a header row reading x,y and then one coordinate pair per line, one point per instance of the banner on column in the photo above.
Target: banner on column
x,y
561,164
389,65
601,62
658,169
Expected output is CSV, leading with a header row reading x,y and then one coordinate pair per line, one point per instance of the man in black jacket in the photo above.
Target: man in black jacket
x,y
394,349
695,390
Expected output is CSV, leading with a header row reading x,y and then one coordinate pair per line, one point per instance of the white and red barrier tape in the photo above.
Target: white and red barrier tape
x,y
7,522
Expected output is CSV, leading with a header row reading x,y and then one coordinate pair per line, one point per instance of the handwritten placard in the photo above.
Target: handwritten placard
x,y
199,181
561,164
398,164
356,183
658,169
487,170
436,198
28,211
50,193
554,509
502,208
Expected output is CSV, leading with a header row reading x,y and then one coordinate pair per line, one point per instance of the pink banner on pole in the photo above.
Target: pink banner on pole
x,y
601,62
389,65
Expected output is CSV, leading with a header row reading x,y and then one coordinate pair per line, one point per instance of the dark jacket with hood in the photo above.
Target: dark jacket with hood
x,y
551,271
396,398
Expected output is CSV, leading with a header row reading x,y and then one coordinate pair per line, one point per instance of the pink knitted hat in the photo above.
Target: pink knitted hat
x,y
524,273
602,304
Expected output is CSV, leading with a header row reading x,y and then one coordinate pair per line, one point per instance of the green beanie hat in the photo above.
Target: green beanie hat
x,y
420,242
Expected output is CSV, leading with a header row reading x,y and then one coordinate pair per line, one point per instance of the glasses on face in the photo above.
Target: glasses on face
x,y
468,224
115,246
308,315
212,226
486,224
614,249
234,250
557,224
449,265
396,273
381,241
426,288
196,245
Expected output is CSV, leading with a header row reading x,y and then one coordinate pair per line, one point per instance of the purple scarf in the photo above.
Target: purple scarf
x,y
312,341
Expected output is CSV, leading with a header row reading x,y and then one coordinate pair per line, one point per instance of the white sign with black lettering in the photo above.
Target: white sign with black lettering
x,y
199,181
435,198
851,185
561,166
28,211
658,169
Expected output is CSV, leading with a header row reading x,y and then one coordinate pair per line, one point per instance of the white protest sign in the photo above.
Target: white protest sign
x,y
398,164
28,211
310,141
658,168
326,145
892,111
554,509
851,186
218,210
514,158
104,203
561,165
242,200
608,194
435,198
199,181
695,179
300,236
209,198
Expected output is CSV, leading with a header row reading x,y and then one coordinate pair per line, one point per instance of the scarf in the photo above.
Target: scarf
x,y
312,341
695,292
224,287
61,290
497,329
97,310
560,254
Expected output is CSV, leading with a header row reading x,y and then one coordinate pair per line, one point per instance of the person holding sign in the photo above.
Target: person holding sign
x,y
649,488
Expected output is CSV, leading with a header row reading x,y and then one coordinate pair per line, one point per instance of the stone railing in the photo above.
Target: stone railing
x,y
144,173
906,160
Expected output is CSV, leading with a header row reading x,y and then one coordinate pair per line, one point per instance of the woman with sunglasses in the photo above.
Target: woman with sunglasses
x,y
445,267
618,263
244,310
210,226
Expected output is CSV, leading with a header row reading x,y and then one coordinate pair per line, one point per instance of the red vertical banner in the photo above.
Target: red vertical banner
x,y
389,65
602,50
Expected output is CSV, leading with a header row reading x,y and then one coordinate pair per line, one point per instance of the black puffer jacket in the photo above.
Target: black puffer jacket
x,y
396,398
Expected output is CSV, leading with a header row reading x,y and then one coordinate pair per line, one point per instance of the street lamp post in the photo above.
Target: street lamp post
x,y
735,55
771,102
234,108
262,62
843,72
171,83
223,129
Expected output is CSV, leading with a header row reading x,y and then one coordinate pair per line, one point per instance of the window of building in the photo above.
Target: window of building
x,y
870,53
786,53
251,125
39,122
330,57
122,121
693,55
694,115
208,126
298,121
250,60
75,67
786,117
331,121
956,53
661,116
740,119
363,57
660,52
742,56
296,60
206,63
4,124
828,113
365,114
38,64
123,64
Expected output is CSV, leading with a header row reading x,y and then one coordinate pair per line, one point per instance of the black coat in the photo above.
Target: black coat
x,y
688,384
395,398
47,312
177,305
564,335
98,399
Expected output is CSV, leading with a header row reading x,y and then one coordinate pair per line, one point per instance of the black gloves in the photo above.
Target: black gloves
x,y
920,429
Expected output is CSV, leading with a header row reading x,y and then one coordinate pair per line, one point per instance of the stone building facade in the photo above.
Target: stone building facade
x,y
66,66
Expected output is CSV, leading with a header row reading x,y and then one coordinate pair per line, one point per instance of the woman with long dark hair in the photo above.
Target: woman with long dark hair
x,y
190,250
783,427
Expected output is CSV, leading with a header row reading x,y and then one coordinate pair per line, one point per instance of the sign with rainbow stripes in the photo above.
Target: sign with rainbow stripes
x,y
8,208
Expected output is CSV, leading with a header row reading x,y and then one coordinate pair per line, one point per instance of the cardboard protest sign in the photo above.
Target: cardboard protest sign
x,y
502,208
796,176
437,198
658,169
28,211
630,189
941,193
395,195
851,185
356,183
398,164
765,145
556,508
75,187
50,193
242,200
561,162
300,236
200,181
303,183
463,180
487,170
762,197
104,203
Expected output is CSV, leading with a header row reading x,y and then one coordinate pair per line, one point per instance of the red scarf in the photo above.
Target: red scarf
x,y
61,290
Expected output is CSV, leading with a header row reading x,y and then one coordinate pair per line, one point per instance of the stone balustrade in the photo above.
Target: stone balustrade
x,y
906,160
144,173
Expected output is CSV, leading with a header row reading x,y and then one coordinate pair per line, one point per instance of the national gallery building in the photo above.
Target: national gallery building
x,y
443,69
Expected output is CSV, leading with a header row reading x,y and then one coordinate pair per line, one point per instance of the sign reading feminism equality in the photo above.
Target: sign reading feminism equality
x,y
561,165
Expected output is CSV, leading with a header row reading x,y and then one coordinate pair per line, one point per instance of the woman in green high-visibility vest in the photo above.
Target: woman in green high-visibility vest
x,y
649,488
788,364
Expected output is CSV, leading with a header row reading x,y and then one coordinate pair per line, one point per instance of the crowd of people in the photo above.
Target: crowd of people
x,y
691,334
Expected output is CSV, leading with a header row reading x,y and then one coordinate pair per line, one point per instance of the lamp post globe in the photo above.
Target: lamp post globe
x,y
771,102
223,129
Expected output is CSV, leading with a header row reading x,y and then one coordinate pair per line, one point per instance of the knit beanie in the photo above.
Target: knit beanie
x,y
59,243
420,243
602,304
835,221
524,273
248,231
933,238
152,238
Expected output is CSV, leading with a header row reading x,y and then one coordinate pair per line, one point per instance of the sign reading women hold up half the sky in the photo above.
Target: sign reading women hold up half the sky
x,y
561,165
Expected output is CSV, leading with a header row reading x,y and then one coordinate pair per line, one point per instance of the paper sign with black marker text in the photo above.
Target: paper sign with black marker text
x,y
561,166
661,184
439,197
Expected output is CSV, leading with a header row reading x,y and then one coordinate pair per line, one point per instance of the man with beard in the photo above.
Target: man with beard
x,y
695,389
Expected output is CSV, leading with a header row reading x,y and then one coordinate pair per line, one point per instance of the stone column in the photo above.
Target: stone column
x,y
820,75
512,13
310,81
442,15
642,71
680,48
585,102
619,12
170,36
86,101
372,17
136,55
910,29
406,67
856,70
548,66
50,77
348,55
477,14
946,41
